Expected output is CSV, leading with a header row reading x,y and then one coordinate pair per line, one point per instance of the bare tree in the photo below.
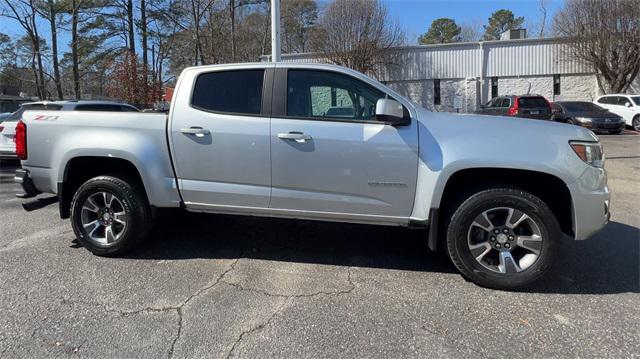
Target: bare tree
x,y
543,21
470,31
51,13
358,34
75,9
24,12
606,35
298,20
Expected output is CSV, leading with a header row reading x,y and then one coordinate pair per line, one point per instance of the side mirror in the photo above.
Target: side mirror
x,y
628,104
391,112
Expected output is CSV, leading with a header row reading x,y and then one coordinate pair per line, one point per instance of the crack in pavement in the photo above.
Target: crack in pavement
x,y
254,329
352,286
177,308
288,298
194,295
220,279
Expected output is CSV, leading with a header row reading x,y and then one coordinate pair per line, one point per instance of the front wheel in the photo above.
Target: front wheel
x,y
109,215
503,238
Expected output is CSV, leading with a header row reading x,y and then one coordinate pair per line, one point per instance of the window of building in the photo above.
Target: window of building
x,y
494,87
436,92
556,84
229,91
323,94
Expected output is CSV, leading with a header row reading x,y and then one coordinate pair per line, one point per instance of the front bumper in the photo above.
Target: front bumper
x,y
591,202
23,178
608,126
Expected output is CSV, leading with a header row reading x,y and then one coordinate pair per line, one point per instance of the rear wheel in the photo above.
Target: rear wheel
x,y
503,238
109,215
636,123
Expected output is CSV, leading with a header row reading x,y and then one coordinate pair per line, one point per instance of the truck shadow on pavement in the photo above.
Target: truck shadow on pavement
x,y
605,264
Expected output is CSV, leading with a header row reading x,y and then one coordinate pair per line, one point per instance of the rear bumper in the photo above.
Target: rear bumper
x,y
23,178
591,203
7,154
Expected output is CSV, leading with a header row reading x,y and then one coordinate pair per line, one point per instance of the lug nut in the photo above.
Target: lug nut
x,y
507,245
492,238
510,238
505,231
498,245
496,231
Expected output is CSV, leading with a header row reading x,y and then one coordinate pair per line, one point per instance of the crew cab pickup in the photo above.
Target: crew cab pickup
x,y
323,142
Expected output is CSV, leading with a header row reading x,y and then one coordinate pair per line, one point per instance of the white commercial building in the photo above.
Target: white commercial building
x,y
461,76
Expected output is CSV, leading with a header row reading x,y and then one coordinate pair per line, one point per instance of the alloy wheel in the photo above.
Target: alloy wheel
x,y
505,240
104,218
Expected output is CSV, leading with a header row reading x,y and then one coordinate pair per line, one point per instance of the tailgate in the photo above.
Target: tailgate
x,y
540,113
534,107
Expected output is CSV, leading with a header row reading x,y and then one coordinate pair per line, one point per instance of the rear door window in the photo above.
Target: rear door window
x,y
236,92
532,102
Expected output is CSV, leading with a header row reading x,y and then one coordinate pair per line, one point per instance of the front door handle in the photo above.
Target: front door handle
x,y
195,130
295,136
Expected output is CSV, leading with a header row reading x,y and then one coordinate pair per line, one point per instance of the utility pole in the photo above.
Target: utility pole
x,y
275,30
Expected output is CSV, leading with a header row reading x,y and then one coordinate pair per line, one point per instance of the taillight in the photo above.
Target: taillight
x,y
20,138
513,110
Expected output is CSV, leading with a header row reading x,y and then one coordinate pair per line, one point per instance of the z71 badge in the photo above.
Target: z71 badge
x,y
45,118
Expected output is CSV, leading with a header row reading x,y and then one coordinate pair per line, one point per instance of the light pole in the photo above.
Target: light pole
x,y
275,30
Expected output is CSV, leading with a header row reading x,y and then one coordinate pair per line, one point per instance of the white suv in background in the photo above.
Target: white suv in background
x,y
7,127
627,106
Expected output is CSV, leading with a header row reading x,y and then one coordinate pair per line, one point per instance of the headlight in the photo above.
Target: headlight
x,y
583,119
590,152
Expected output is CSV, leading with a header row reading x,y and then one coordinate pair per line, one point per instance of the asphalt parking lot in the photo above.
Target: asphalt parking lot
x,y
221,286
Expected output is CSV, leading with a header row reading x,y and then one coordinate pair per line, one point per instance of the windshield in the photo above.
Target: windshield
x,y
636,99
581,107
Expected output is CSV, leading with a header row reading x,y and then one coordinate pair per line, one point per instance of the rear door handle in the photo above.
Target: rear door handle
x,y
195,130
295,136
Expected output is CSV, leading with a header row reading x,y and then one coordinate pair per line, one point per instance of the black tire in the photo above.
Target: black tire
x,y
635,123
131,200
459,227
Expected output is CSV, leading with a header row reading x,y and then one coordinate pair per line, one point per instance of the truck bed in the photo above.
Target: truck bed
x,y
55,137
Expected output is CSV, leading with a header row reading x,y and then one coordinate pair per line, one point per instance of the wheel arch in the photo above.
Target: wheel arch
x,y
549,188
79,169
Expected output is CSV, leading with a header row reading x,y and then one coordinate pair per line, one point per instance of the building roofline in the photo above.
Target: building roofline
x,y
435,46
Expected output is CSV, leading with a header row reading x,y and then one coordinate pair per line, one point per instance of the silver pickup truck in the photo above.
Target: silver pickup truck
x,y
327,143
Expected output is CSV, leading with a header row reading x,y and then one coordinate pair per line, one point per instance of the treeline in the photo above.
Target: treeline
x,y
129,50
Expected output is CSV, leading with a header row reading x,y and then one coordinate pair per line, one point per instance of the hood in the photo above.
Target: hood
x,y
496,127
